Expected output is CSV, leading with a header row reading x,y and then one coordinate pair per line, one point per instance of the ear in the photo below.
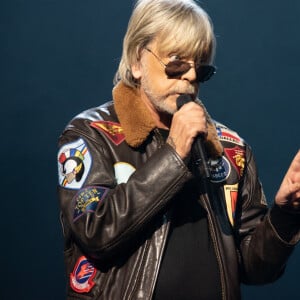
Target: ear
x,y
136,70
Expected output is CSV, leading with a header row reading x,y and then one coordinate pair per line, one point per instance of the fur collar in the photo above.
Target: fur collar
x,y
137,122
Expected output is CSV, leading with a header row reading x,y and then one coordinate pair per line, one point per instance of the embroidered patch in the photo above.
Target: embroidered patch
x,y
229,136
237,157
112,130
81,279
219,169
87,199
231,194
123,171
74,164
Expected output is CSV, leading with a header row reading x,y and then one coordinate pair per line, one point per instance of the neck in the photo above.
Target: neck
x,y
164,120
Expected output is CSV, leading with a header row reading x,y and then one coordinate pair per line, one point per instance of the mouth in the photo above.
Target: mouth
x,y
191,95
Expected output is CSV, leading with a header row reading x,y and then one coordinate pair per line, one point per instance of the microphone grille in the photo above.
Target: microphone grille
x,y
183,99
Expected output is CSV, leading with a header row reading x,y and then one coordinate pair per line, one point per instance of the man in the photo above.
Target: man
x,y
164,202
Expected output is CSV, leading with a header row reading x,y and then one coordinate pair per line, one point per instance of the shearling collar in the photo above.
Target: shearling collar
x,y
137,122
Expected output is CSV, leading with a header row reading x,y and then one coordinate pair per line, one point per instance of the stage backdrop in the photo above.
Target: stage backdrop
x,y
59,57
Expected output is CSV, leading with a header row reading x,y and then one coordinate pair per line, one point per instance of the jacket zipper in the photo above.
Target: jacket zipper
x,y
163,246
215,244
160,142
143,262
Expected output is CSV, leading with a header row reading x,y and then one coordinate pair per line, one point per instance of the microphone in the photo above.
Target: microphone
x,y
198,149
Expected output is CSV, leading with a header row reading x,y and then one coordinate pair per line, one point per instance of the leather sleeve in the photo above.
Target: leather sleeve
x,y
263,252
120,216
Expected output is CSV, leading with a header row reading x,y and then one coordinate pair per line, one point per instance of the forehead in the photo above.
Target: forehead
x,y
181,44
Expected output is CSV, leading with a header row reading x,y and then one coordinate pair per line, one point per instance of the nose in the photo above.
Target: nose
x,y
190,75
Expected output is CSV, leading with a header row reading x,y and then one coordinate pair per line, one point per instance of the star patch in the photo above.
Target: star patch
x,y
87,199
237,157
74,164
81,279
112,130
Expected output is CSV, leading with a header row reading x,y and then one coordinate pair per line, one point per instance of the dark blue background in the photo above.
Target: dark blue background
x,y
59,57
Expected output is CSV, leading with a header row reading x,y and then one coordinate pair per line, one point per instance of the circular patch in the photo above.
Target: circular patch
x,y
219,169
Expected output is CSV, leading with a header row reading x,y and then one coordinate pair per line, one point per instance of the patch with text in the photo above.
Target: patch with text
x,y
87,199
219,169
231,195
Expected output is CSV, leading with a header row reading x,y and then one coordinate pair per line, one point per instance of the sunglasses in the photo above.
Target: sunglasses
x,y
176,68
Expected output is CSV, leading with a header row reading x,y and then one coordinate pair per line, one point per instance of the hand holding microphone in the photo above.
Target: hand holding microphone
x,y
188,129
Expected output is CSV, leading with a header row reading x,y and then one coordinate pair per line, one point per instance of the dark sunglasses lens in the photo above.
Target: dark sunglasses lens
x,y
177,68
205,72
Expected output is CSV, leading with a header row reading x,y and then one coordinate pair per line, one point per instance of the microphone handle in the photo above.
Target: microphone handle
x,y
201,159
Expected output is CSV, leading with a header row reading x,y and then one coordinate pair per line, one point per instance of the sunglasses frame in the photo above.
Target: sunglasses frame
x,y
210,69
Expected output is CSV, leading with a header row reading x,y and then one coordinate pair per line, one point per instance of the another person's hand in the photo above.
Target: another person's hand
x,y
288,195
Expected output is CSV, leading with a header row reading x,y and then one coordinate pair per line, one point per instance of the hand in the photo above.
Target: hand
x,y
288,195
187,123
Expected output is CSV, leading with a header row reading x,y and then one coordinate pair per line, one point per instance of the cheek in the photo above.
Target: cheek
x,y
156,77
158,84
162,85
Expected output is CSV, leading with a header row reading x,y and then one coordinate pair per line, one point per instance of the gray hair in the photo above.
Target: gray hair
x,y
180,26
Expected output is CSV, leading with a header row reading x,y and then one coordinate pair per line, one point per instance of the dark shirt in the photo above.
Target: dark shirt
x,y
189,268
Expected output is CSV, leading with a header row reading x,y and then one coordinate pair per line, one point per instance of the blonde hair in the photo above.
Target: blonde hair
x,y
180,26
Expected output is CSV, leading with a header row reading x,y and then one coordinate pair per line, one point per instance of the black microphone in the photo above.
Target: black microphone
x,y
198,145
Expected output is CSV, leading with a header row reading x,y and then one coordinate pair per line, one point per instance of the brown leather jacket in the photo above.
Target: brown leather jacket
x,y
117,181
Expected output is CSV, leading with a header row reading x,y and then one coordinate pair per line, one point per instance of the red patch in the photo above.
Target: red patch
x,y
112,130
81,279
237,157
233,196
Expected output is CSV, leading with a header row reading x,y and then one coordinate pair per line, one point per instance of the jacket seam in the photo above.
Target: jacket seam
x,y
82,133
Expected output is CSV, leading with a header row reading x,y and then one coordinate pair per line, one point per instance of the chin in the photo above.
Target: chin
x,y
167,109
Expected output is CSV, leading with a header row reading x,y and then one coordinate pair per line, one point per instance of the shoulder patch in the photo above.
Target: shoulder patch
x,y
74,164
81,279
112,130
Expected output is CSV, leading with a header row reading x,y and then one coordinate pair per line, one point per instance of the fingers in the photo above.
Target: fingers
x,y
192,117
187,123
294,190
295,164
289,191
293,174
